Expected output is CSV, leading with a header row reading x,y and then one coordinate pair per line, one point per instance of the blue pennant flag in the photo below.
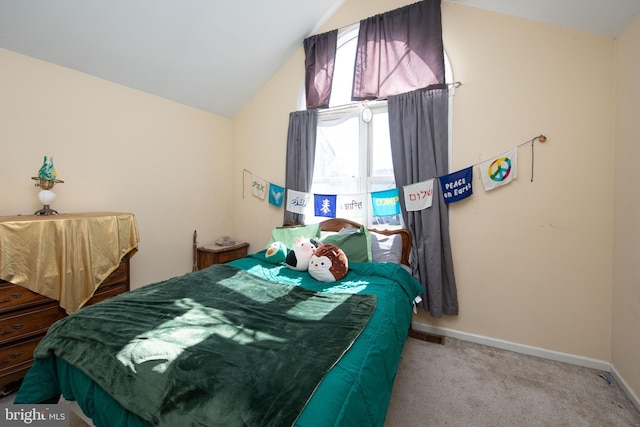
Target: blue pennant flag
x,y
325,205
457,185
385,203
276,194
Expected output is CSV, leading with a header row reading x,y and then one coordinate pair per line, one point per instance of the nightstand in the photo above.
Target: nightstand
x,y
216,254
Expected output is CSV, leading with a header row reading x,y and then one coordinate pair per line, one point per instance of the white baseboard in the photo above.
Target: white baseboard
x,y
624,386
511,346
572,359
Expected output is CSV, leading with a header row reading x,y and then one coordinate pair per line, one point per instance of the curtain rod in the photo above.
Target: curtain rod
x,y
365,104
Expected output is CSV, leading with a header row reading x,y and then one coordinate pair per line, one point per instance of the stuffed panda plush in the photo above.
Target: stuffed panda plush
x,y
300,254
328,263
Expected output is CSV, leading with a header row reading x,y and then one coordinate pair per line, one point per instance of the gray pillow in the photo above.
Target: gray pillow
x,y
386,248
383,248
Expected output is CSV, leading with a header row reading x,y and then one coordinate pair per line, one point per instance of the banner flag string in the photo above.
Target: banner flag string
x,y
460,194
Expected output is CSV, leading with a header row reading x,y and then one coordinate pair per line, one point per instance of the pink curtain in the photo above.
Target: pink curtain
x,y
399,51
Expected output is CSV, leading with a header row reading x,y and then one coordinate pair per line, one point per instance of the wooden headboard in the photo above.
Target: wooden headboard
x,y
337,224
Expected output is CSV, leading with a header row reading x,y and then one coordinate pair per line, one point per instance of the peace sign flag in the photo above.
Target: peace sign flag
x,y
500,170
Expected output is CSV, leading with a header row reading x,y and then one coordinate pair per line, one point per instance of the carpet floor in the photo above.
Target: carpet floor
x,y
467,384
470,385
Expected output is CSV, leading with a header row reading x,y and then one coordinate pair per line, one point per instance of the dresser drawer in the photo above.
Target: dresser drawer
x,y
11,378
29,322
105,292
118,275
232,255
12,356
13,297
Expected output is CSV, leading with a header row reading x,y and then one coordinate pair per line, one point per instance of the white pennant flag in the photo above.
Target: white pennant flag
x,y
350,205
258,187
418,196
297,201
499,170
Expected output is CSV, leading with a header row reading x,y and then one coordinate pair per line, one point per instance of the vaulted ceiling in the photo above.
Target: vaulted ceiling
x,y
215,55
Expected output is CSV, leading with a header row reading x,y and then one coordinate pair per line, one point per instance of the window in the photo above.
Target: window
x,y
353,156
353,151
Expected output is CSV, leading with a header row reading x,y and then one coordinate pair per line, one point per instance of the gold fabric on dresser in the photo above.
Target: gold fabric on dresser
x,y
65,257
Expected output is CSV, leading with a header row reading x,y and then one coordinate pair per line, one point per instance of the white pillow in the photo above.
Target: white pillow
x,y
324,234
386,248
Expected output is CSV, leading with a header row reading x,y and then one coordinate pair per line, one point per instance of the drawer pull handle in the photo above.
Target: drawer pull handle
x,y
13,296
11,356
116,273
16,326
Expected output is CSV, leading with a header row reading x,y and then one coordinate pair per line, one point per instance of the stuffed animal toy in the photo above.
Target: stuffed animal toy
x,y
328,263
300,254
276,253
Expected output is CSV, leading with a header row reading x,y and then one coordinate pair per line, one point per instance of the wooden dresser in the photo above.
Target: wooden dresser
x,y
25,317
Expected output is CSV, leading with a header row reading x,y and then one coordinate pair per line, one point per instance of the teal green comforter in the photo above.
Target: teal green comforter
x,y
182,385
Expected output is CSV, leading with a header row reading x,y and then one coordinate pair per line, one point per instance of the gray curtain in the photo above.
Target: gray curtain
x,y
399,51
319,63
418,127
301,152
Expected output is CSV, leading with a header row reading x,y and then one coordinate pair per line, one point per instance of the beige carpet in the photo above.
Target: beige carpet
x,y
466,384
470,385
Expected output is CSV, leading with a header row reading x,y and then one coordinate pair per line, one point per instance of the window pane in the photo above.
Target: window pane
x,y
381,176
391,221
343,70
381,163
336,168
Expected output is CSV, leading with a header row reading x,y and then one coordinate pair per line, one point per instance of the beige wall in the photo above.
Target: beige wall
x,y
534,259
117,149
625,346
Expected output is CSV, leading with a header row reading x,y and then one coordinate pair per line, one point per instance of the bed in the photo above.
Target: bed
x,y
244,343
